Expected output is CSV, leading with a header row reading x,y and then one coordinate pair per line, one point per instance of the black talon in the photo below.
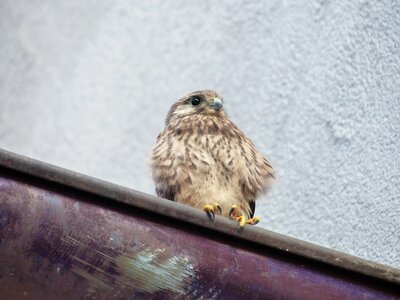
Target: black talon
x,y
211,214
219,209
231,211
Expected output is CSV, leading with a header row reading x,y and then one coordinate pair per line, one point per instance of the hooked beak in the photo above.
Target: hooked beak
x,y
216,104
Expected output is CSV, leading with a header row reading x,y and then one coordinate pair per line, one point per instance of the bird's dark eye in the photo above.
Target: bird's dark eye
x,y
195,100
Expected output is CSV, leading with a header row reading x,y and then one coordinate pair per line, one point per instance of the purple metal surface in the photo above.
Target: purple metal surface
x,y
62,243
117,195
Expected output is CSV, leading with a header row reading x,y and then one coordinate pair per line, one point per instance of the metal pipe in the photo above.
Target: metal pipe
x,y
67,235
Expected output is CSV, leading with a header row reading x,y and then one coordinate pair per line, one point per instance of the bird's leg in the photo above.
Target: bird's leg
x,y
210,209
234,213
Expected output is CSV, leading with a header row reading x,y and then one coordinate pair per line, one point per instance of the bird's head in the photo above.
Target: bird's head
x,y
205,102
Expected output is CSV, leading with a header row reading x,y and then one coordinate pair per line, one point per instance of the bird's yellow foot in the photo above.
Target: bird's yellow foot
x,y
235,214
243,221
210,209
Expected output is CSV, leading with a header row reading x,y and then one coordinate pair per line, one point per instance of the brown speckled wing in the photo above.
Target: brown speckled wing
x,y
170,169
165,192
239,155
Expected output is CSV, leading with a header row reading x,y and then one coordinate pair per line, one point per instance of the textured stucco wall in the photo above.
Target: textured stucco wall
x,y
86,85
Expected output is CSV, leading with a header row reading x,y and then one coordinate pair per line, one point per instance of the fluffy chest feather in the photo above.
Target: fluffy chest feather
x,y
203,159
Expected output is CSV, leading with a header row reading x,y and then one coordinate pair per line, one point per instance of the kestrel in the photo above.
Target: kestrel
x,y
202,159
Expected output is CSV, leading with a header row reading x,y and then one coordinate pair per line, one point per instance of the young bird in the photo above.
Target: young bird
x,y
202,159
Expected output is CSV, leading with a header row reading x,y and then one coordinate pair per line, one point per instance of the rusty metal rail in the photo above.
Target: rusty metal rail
x,y
65,235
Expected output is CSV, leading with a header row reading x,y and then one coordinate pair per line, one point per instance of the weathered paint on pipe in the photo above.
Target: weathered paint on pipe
x,y
57,245
58,242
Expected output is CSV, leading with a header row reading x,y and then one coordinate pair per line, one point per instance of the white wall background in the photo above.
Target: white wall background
x,y
316,84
